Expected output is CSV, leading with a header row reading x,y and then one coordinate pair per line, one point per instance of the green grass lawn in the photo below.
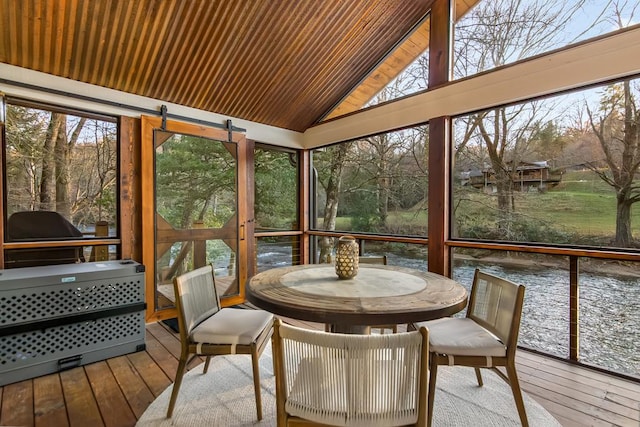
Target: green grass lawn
x,y
581,212
581,206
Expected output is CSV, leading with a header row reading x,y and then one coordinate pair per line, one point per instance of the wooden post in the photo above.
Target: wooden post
x,y
440,47
574,311
100,253
199,249
304,200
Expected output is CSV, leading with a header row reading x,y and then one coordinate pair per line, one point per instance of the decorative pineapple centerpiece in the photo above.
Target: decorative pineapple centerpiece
x,y
347,257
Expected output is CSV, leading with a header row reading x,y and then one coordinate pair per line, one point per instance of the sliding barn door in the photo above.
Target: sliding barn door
x,y
192,214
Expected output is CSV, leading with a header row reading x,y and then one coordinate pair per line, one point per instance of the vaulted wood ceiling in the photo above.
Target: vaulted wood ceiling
x,y
280,62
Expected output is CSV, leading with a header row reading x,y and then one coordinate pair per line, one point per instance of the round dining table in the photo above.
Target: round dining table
x,y
377,295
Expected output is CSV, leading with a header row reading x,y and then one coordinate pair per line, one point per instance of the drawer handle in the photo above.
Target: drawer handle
x,y
69,362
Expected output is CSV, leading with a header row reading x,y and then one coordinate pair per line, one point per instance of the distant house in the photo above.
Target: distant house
x,y
528,176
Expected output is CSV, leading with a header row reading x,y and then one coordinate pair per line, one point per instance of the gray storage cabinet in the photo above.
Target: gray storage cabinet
x,y
62,316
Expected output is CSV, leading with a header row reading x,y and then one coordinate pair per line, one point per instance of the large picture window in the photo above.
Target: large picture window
x,y
374,185
276,189
276,207
562,170
60,182
494,33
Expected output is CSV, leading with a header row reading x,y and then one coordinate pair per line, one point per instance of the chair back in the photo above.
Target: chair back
x,y
196,298
496,304
349,379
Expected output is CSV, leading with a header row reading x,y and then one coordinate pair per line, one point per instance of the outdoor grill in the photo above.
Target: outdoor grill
x,y
41,225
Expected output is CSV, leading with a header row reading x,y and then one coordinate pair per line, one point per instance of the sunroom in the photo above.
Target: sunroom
x,y
444,135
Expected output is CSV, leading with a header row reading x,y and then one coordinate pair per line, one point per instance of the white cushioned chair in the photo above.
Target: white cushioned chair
x,y
208,330
349,379
486,338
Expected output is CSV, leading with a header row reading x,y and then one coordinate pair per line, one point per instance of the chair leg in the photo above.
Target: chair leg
x,y
433,366
479,377
182,365
255,361
206,364
517,394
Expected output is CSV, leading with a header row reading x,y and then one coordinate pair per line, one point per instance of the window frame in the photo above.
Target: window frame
x,y
89,241
614,253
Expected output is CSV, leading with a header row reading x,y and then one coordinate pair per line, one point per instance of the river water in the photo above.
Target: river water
x,y
609,313
609,307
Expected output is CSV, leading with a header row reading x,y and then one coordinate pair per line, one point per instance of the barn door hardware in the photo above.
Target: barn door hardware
x,y
229,130
163,113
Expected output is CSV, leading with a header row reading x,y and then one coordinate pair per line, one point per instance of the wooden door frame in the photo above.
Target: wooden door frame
x,y
148,125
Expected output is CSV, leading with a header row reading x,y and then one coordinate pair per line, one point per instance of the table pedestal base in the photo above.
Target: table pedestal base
x,y
350,329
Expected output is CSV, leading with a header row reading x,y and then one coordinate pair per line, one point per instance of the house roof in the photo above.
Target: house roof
x,y
279,62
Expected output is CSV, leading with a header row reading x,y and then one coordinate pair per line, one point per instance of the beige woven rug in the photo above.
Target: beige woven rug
x,y
224,397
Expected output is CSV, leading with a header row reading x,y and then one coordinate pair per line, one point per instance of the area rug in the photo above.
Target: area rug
x,y
224,397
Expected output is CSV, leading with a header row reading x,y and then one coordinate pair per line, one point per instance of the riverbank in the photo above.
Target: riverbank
x,y
621,269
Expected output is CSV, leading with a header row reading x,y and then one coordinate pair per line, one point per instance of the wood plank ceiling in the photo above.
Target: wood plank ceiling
x,y
280,62
407,51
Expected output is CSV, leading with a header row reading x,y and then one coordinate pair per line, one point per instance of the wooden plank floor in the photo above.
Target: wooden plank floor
x,y
116,392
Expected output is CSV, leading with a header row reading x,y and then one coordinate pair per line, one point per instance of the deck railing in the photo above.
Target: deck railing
x,y
580,306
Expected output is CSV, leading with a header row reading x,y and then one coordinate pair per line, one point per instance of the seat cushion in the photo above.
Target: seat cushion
x,y
232,326
457,336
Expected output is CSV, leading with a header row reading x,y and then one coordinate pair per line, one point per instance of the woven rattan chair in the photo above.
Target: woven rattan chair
x,y
350,379
485,338
208,330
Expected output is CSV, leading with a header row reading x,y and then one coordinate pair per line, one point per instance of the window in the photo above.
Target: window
x,y
561,170
276,207
499,32
277,251
60,183
403,72
375,185
411,255
276,189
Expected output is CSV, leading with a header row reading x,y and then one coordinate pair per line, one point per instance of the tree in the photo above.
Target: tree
x,y
617,127
548,141
334,163
24,125
47,177
62,150
55,163
275,189
493,34
195,180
